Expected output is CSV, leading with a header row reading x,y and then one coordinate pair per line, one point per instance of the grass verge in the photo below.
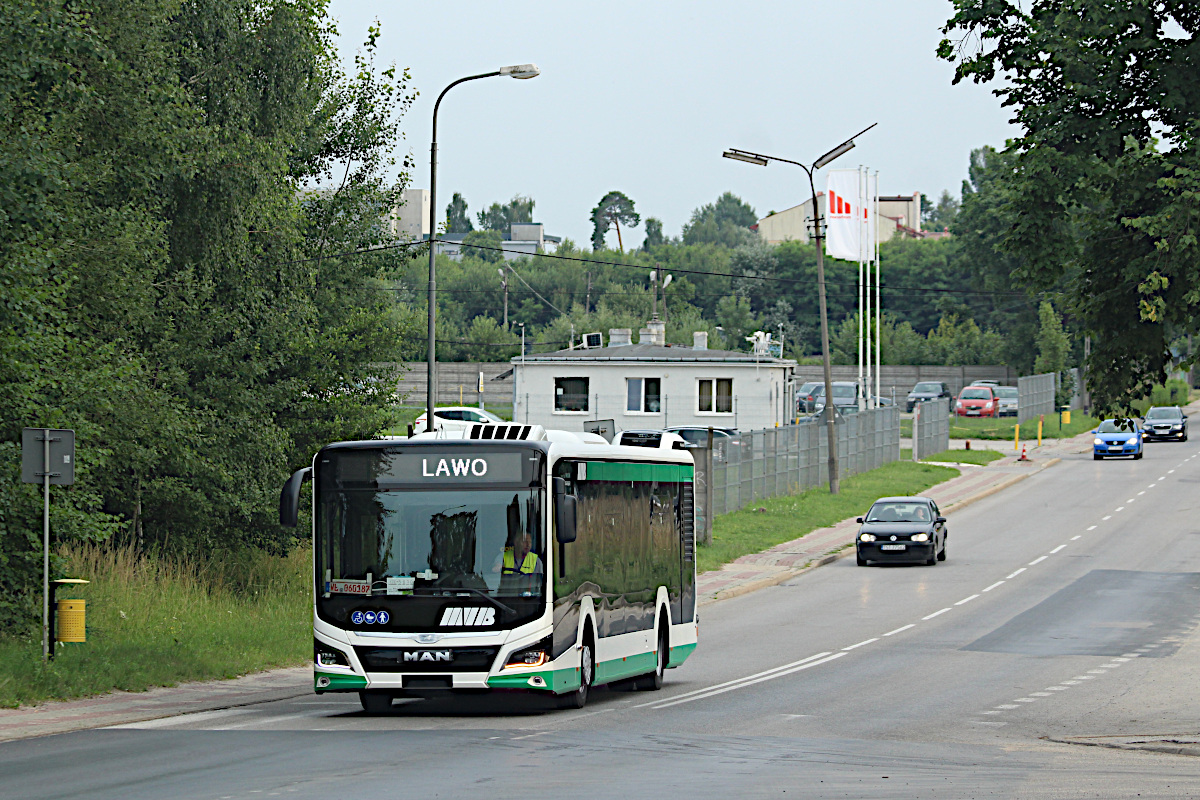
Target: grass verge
x,y
792,516
157,622
980,457
979,428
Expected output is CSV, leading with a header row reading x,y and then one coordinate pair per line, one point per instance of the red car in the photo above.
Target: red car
x,y
977,401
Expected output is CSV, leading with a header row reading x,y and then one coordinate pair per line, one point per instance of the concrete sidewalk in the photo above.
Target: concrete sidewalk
x,y
744,575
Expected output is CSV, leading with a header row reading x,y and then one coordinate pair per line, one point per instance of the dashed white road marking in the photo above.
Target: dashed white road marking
x,y
966,600
1170,471
1083,677
1080,536
1006,706
1015,574
1025,700
1038,560
1151,486
741,684
1161,478
1102,519
934,614
1056,688
1142,492
1120,508
1092,528
899,630
1040,694
860,644
1097,672
1055,550
994,585
747,679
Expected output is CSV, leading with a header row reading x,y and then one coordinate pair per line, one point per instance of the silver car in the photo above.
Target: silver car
x,y
1006,397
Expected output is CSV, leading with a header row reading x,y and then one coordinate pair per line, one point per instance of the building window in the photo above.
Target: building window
x,y
570,394
715,396
643,395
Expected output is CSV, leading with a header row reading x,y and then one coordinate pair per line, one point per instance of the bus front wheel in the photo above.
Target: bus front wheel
x,y
375,702
587,668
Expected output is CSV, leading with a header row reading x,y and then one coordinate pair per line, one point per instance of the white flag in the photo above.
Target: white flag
x,y
850,216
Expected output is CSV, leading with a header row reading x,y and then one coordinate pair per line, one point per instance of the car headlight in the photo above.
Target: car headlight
x,y
920,537
1098,440
866,537
1176,427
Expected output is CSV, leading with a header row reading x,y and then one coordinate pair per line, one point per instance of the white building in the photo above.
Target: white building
x,y
524,239
652,385
411,220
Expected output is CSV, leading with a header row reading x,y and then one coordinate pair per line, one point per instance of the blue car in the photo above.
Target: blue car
x,y
1115,437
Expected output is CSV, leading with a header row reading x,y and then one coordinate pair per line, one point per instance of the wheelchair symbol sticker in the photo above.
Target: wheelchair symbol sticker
x,y
357,618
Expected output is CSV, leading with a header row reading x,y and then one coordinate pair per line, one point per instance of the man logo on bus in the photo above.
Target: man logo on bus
x,y
468,617
455,468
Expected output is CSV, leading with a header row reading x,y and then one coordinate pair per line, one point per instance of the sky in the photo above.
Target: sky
x,y
643,97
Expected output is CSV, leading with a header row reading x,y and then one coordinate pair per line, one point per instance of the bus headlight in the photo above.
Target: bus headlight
x,y
530,657
326,656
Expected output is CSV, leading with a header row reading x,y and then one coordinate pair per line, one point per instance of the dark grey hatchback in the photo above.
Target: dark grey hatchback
x,y
902,530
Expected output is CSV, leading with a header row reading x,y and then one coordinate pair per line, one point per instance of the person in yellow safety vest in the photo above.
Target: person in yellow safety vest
x,y
520,559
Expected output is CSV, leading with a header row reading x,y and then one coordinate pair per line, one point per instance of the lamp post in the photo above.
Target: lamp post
x,y
504,284
761,160
518,71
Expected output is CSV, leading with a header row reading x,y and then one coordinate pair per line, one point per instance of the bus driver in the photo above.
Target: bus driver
x,y
518,558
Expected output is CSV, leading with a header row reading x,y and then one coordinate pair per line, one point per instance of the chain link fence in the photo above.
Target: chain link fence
x,y
931,428
776,461
1035,395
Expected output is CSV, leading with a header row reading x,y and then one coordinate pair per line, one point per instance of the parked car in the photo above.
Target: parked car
x,y
457,418
928,390
1007,400
805,402
984,382
1165,422
1116,437
899,529
845,396
695,434
976,401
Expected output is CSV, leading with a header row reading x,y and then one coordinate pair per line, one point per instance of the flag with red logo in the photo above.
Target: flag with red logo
x,y
850,215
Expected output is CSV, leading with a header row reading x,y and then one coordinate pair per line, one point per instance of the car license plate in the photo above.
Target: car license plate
x,y
1116,447
972,413
891,547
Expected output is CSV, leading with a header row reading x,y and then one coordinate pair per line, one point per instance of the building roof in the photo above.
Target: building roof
x,y
656,352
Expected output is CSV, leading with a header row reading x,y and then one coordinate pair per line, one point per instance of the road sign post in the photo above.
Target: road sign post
x,y
48,458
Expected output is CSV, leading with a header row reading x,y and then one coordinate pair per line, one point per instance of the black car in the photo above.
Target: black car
x,y
929,390
805,400
1165,422
902,529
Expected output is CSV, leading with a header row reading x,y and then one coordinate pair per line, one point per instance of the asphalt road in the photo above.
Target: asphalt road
x,y
1063,624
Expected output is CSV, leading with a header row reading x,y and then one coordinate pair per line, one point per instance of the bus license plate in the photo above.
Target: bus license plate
x,y
891,547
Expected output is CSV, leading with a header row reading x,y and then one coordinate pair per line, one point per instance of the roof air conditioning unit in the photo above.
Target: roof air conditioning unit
x,y
591,340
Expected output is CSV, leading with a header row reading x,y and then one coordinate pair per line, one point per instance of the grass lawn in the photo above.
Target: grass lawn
x,y
980,457
152,622
979,428
786,518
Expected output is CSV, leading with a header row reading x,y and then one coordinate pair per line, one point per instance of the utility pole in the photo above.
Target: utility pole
x,y
504,283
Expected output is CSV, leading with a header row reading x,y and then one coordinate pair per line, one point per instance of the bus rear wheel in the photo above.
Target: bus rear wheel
x,y
375,702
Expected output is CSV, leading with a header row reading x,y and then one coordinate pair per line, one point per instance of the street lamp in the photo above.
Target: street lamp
x,y
758,159
504,285
520,71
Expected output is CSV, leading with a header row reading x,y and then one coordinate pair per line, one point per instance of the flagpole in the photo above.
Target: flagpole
x,y
864,241
878,307
861,310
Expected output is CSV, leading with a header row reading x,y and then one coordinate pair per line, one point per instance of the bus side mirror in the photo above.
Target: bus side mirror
x,y
564,513
289,498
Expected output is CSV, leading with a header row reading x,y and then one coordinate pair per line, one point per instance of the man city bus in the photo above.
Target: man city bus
x,y
505,557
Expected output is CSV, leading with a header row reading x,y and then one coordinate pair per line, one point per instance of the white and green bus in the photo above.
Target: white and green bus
x,y
505,557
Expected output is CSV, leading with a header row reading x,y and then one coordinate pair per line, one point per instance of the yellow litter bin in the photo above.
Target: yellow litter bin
x,y
72,621
1066,417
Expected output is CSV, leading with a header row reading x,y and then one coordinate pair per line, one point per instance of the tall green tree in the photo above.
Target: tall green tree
x,y
654,233
500,217
613,210
458,219
727,221
1095,202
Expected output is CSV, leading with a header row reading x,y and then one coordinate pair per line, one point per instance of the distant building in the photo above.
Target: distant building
x,y
652,385
524,239
411,219
899,216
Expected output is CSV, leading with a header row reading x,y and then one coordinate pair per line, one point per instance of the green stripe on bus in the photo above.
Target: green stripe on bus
x,y
679,654
612,471
339,683
618,668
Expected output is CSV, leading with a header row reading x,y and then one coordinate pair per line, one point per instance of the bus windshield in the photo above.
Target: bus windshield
x,y
475,541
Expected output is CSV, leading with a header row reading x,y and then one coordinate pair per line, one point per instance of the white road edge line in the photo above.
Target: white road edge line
x,y
739,680
744,684
994,585
1055,550
1038,560
1015,574
966,600
934,614
860,644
